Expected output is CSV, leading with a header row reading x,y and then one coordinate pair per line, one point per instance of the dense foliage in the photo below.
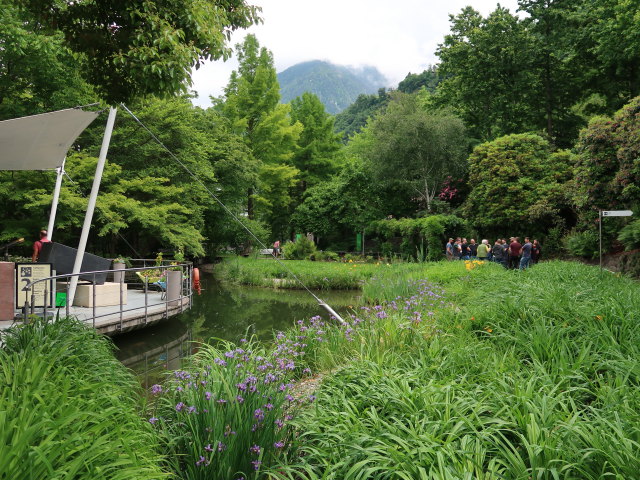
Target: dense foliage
x,y
433,378
517,181
69,409
525,382
133,48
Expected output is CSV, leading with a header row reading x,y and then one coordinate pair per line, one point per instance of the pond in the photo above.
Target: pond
x,y
222,312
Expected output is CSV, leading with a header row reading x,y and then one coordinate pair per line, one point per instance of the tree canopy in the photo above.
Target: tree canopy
x,y
141,47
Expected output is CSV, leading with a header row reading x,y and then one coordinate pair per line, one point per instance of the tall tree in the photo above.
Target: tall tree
x,y
38,73
556,67
251,105
318,144
487,65
609,38
336,209
415,150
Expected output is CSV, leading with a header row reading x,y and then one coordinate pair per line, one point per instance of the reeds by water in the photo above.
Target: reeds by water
x,y
69,409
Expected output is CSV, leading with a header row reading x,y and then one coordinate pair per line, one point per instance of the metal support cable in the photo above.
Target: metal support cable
x,y
226,209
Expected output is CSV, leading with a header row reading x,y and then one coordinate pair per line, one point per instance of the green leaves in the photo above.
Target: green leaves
x,y
74,409
516,180
131,49
414,149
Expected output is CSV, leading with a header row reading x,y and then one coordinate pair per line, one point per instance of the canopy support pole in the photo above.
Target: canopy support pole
x,y
106,139
56,197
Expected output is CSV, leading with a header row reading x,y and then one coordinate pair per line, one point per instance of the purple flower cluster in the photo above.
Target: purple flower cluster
x,y
260,386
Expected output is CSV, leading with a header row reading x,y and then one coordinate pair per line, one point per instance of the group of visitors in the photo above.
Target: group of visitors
x,y
512,255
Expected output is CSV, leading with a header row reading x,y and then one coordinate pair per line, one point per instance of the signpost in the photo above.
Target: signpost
x,y
617,213
610,213
26,274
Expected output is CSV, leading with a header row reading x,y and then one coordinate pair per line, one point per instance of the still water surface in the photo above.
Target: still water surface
x,y
222,312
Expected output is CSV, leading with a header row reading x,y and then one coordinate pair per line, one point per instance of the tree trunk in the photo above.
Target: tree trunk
x,y
250,203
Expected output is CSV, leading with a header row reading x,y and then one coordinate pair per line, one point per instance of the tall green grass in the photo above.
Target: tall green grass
x,y
266,272
517,375
69,409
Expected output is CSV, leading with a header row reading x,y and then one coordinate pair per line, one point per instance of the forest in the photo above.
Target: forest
x,y
527,125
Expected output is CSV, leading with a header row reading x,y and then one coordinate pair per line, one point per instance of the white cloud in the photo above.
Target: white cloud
x,y
396,37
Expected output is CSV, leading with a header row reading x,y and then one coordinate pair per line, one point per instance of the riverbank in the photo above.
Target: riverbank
x,y
289,273
448,372
455,371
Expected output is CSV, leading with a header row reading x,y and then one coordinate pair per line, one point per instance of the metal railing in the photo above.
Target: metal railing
x,y
171,296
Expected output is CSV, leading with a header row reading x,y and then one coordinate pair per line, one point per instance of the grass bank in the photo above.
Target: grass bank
x,y
501,374
266,272
69,409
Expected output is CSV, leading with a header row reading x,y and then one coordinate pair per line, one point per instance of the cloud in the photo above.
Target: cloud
x,y
396,37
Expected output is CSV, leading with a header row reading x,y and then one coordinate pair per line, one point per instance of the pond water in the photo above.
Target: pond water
x,y
222,312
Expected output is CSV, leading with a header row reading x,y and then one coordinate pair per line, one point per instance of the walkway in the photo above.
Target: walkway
x,y
112,321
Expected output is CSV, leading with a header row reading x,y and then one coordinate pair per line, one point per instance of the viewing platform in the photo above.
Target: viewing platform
x,y
112,301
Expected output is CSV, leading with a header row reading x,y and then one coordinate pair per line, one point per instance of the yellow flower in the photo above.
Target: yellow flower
x,y
598,317
488,330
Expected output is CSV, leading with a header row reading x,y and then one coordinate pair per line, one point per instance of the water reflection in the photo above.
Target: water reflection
x,y
152,351
222,312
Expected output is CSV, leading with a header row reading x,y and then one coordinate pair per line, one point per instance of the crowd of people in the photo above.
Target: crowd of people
x,y
513,255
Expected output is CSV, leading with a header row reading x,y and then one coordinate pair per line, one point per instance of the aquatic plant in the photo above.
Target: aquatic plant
x,y
266,272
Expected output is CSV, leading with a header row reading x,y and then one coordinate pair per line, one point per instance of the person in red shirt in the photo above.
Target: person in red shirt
x,y
515,248
37,245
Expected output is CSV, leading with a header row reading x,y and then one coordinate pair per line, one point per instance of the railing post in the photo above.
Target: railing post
x,y
66,302
146,301
93,295
121,298
33,301
182,278
46,302
166,297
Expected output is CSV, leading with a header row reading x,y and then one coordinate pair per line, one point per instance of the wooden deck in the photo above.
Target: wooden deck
x,y
113,320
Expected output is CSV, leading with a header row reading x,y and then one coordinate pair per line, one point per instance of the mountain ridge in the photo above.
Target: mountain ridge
x,y
337,86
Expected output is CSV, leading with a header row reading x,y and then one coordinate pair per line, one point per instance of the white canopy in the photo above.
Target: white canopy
x,y
41,142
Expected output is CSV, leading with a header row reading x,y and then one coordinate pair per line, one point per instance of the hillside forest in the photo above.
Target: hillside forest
x,y
528,125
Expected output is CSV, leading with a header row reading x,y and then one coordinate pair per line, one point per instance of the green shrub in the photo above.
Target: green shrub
x,y
69,409
327,256
301,249
630,235
582,244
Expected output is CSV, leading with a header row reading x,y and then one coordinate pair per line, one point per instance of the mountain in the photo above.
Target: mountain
x,y
336,86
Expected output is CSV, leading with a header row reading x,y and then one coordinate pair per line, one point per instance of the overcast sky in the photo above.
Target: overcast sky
x,y
396,37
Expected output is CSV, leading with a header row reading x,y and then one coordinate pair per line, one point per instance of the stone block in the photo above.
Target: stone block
x,y
7,290
107,294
